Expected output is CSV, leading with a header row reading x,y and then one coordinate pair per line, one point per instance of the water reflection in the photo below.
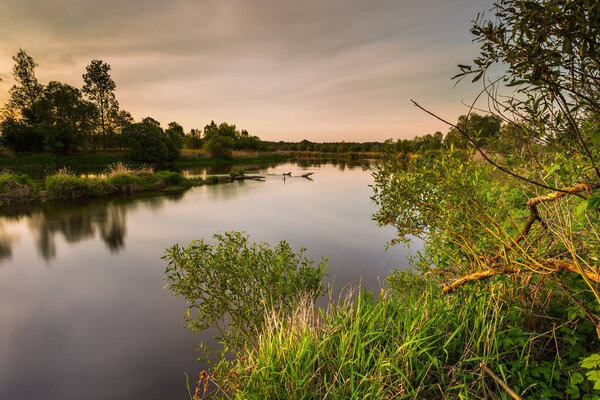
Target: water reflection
x,y
98,325
75,222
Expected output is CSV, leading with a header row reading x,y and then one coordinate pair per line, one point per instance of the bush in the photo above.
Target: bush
x,y
236,280
219,146
172,178
236,171
148,142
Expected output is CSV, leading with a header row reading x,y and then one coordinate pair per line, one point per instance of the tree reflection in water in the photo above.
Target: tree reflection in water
x,y
75,222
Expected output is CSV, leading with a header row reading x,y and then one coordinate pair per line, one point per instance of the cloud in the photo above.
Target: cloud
x,y
325,70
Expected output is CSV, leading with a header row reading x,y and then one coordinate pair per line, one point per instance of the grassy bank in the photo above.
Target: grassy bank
x,y
118,180
414,343
102,160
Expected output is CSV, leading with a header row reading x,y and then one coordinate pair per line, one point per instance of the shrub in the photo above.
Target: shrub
x,y
234,280
148,142
236,172
219,146
171,178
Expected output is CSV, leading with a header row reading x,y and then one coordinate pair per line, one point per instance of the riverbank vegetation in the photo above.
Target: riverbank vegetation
x,y
503,301
117,180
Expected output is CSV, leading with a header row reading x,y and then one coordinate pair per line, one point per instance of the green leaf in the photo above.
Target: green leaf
x,y
577,378
581,208
592,361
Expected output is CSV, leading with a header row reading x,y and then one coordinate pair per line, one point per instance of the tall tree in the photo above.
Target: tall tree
x,y
28,89
99,88
65,118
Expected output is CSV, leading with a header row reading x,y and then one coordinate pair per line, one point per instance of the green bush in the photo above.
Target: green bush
x,y
173,178
236,171
148,142
229,285
219,146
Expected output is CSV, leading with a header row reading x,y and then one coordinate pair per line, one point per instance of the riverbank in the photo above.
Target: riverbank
x,y
483,341
100,160
118,180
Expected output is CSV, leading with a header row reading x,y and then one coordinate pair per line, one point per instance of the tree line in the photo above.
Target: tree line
x,y
61,119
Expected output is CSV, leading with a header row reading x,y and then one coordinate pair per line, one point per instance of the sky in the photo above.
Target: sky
x,y
322,70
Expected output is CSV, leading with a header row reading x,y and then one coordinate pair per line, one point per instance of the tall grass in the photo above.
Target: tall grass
x,y
118,179
418,345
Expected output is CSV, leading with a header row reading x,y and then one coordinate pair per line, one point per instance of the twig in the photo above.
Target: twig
x,y
499,381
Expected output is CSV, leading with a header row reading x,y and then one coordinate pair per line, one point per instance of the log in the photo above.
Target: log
x,y
244,177
287,174
307,174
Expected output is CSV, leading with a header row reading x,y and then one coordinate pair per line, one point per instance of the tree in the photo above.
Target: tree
x,y
146,142
99,88
28,89
219,146
20,136
64,117
193,140
175,134
534,215
485,130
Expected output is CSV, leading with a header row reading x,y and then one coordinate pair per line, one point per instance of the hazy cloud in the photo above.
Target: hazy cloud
x,y
322,70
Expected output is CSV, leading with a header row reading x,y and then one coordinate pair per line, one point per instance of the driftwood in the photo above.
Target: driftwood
x,y
244,177
307,175
287,174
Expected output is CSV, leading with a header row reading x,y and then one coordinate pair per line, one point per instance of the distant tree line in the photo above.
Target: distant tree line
x,y
61,119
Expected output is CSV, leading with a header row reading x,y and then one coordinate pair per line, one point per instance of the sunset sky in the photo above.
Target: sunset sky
x,y
284,70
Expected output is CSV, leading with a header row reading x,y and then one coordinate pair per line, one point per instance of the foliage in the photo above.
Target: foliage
x,y
147,142
236,171
534,211
99,87
28,89
193,140
175,140
219,146
413,343
63,116
119,180
20,136
229,285
485,130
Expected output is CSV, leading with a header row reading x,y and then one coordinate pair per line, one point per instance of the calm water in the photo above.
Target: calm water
x,y
82,307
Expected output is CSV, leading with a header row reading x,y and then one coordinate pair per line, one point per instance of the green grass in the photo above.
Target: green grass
x,y
65,186
419,345
102,160
16,188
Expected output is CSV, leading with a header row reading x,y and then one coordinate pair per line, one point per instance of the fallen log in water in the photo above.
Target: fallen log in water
x,y
244,177
307,175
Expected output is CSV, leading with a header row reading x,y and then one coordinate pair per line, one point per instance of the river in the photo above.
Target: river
x,y
82,307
